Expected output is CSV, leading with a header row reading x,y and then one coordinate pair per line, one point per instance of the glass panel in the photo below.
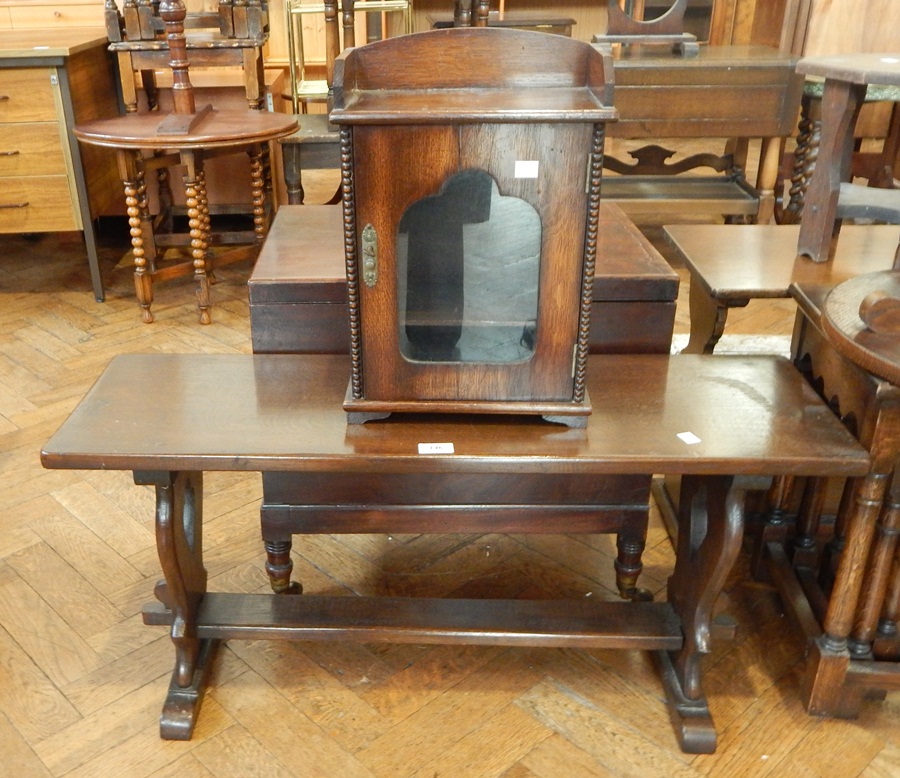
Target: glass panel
x,y
468,262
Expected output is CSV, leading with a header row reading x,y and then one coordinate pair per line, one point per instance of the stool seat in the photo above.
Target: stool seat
x,y
875,93
883,69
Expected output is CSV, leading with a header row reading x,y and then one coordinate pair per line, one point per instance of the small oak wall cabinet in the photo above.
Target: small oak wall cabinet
x,y
471,186
49,80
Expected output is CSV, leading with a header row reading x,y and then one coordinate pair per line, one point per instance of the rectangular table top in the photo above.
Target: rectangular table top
x,y
747,415
46,44
737,261
724,91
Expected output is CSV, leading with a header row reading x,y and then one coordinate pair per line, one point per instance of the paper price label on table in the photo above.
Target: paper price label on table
x,y
435,448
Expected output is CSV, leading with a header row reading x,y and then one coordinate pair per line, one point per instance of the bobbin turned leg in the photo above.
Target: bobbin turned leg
x,y
198,223
131,171
823,687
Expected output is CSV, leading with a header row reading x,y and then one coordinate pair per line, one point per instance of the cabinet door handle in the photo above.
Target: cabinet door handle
x,y
4,98
14,205
12,153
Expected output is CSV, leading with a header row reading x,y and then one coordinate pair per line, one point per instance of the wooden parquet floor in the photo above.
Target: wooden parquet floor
x,y
82,679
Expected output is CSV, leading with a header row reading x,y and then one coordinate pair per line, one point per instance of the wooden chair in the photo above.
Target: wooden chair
x,y
186,137
233,36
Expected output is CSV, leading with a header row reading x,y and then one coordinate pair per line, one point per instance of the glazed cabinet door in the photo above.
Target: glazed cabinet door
x,y
470,259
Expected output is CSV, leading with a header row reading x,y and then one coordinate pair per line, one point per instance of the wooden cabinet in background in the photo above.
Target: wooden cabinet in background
x,y
49,80
41,14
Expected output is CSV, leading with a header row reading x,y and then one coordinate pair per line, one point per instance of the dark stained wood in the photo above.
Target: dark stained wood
x,y
733,264
567,80
218,129
412,133
285,414
830,198
671,22
856,567
876,351
739,92
665,30
645,626
298,294
753,416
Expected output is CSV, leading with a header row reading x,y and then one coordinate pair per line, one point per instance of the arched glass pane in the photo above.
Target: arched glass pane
x,y
468,262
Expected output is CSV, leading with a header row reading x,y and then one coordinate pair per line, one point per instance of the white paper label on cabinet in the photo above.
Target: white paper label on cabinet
x,y
526,168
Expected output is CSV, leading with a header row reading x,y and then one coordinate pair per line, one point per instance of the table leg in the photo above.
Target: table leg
x,y
630,546
198,223
293,182
258,188
876,582
131,171
708,316
279,567
824,690
805,154
887,645
711,524
179,541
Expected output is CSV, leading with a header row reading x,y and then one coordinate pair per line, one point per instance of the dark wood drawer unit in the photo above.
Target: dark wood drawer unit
x,y
298,294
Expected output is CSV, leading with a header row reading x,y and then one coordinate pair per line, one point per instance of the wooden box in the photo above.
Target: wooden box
x,y
298,291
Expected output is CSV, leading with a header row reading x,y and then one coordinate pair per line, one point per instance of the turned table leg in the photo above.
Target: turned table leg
x,y
767,177
805,155
630,546
179,541
824,690
259,186
710,529
279,567
293,177
878,572
887,642
199,226
131,171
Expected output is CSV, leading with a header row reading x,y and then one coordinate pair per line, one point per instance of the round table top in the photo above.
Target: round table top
x,y
876,352
212,129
